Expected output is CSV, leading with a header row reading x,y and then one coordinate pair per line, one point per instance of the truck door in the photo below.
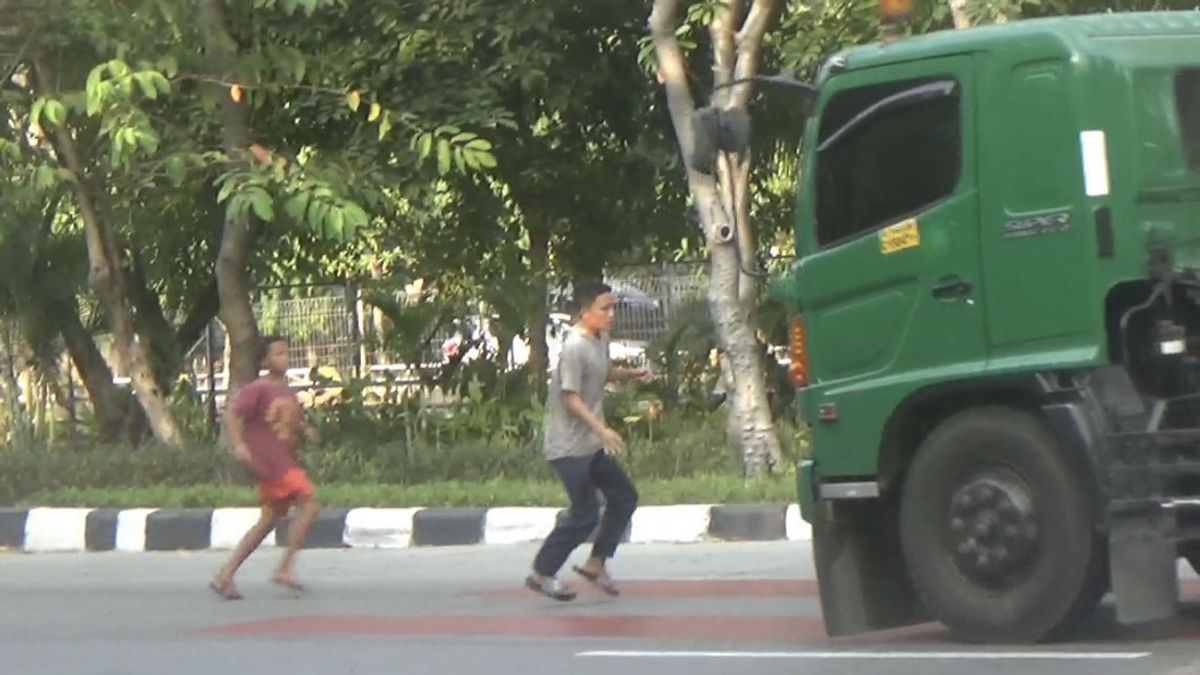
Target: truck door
x,y
890,281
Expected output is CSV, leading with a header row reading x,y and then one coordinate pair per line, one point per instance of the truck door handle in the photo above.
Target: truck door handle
x,y
951,287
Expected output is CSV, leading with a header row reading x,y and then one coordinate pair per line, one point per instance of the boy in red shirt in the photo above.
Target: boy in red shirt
x,y
264,425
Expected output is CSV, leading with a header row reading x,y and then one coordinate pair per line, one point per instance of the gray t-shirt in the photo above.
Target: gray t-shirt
x,y
582,369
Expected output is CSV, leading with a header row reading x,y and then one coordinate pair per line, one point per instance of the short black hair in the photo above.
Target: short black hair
x,y
586,293
264,345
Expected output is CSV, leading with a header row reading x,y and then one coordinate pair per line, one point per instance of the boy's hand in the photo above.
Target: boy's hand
x,y
612,441
312,435
242,453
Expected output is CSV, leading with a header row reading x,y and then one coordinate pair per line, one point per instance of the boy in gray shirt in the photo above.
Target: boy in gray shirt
x,y
580,449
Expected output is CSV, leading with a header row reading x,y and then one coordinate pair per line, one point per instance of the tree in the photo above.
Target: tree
x,y
722,200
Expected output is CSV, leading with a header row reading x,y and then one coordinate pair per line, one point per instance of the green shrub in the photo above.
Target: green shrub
x,y
707,489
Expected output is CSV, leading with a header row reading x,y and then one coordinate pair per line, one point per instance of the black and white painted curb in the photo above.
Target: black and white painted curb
x,y
44,530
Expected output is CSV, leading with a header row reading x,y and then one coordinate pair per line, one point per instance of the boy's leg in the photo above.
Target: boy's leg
x,y
307,510
223,582
579,522
621,498
303,496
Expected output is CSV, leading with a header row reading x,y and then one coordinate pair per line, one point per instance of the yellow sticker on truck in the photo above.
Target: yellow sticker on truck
x,y
902,235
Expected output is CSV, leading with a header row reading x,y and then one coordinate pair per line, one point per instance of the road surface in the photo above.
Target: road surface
x,y
686,609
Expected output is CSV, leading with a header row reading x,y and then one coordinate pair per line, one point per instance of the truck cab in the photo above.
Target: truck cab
x,y
996,324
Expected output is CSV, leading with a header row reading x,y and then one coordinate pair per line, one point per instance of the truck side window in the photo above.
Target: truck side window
x,y
1187,97
885,156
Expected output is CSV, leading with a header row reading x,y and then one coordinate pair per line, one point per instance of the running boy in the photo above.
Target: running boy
x,y
580,449
264,425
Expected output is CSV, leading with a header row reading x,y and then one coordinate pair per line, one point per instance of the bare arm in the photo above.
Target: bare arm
x,y
617,374
574,404
234,426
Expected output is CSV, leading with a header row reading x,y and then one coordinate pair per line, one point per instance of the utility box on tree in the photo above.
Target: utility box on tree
x,y
996,327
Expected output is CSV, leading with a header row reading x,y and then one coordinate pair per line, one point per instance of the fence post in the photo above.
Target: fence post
x,y
212,376
356,341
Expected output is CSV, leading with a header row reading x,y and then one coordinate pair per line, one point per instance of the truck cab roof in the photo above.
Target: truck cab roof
x,y
1136,38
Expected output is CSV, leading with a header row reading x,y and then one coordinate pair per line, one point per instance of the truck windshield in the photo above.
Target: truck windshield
x,y
1187,98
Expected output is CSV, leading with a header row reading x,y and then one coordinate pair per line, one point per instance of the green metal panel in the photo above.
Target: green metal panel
x,y
1034,216
875,331
1030,89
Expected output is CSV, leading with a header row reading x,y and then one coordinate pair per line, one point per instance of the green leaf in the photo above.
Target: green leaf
x,y
297,206
45,177
443,157
148,140
146,83
227,188
261,202
458,160
35,113
385,125
355,216
97,97
354,100
161,83
486,160
336,224
424,146
480,144
118,68
176,170
95,77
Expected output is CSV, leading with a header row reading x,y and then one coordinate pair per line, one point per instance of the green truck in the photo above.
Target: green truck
x,y
996,325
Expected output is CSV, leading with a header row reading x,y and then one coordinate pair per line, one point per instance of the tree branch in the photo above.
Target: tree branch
x,y
673,71
722,30
749,47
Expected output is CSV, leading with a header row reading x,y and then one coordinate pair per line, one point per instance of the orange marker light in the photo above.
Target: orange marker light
x,y
798,372
894,10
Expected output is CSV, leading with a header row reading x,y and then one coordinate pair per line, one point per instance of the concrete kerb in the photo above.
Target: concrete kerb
x,y
47,530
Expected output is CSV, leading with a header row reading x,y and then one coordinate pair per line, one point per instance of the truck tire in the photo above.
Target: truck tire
x,y
997,529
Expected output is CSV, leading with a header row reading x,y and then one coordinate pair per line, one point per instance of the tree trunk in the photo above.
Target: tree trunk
x,y
539,313
109,403
722,203
108,282
233,256
22,431
958,8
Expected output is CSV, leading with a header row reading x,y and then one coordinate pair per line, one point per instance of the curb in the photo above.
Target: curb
x,y
68,530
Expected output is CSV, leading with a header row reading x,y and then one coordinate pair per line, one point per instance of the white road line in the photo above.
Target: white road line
x,y
915,656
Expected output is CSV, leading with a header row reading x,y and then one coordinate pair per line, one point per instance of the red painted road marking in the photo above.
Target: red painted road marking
x,y
576,626
690,588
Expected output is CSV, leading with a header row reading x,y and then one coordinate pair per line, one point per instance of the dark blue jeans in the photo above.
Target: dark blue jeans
x,y
582,476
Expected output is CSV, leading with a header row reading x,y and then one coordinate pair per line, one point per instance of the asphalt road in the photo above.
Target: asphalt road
x,y
686,609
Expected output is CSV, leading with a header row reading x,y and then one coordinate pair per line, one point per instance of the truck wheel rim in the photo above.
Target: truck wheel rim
x,y
993,529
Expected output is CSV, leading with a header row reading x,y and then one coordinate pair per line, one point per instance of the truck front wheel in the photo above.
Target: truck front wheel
x,y
996,529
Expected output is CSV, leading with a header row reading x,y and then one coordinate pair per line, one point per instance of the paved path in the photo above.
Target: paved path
x,y
686,609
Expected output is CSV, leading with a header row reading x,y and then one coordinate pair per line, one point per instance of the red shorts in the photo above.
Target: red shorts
x,y
279,494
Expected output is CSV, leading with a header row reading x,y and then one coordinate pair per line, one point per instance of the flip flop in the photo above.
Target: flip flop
x,y
553,589
227,590
601,580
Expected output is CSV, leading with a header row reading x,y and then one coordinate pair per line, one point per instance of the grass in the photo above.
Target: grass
x,y
704,489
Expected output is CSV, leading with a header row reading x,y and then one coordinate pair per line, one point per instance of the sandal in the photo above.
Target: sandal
x,y
601,580
226,589
553,589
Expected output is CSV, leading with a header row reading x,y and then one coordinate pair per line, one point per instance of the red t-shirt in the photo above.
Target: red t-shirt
x,y
271,422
